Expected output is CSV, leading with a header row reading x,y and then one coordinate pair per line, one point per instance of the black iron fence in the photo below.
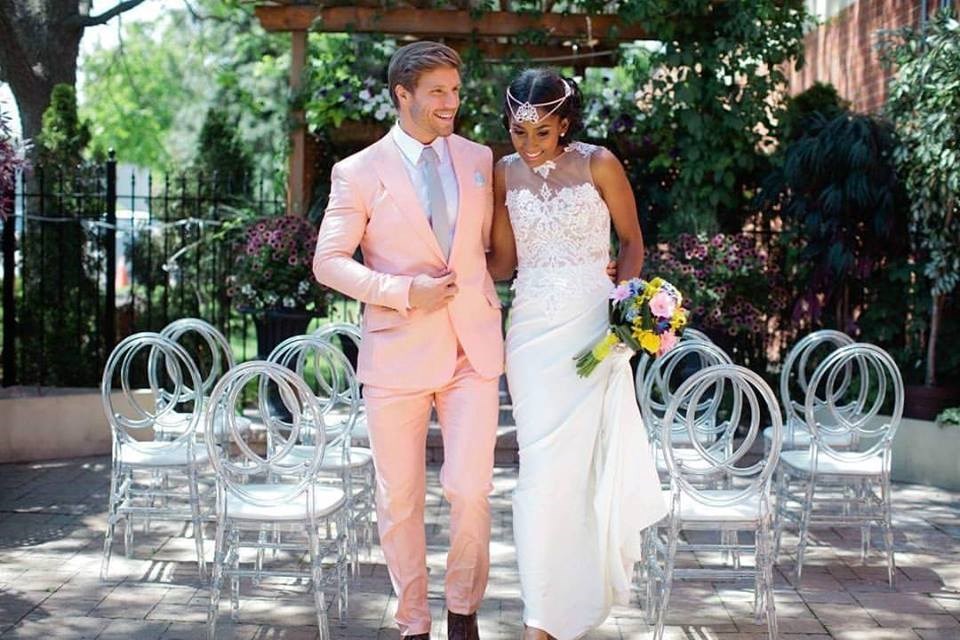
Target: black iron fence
x,y
93,254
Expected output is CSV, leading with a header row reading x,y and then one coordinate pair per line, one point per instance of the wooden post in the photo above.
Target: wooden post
x,y
298,192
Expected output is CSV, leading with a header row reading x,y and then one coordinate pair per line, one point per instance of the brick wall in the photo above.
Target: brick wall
x,y
843,52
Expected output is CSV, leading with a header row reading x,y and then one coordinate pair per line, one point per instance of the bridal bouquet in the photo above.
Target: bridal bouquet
x,y
644,316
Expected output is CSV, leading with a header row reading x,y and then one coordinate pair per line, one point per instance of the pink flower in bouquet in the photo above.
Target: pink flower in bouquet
x,y
668,340
662,304
621,293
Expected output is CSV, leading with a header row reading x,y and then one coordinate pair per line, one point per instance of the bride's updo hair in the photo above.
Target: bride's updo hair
x,y
537,86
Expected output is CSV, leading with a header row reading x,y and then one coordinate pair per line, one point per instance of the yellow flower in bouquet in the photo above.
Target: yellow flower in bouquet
x,y
644,315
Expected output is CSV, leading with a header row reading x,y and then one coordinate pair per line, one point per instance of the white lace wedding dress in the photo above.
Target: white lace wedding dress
x,y
588,483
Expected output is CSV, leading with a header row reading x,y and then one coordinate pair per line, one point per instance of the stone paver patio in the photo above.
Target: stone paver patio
x,y
52,518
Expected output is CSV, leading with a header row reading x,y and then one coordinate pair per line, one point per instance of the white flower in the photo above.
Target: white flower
x,y
247,290
364,95
303,287
289,302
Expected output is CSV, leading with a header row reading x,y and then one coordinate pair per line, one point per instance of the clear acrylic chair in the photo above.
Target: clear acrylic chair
x,y
742,506
275,491
837,486
151,479
664,375
331,377
213,356
338,333
644,361
364,480
799,364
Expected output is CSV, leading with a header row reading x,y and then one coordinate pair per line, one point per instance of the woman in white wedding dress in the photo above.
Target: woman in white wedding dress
x,y
588,484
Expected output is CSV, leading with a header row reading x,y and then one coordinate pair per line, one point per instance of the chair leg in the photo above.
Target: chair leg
x,y
111,527
344,527
888,531
805,524
258,563
317,579
765,538
667,579
197,522
779,511
216,580
234,559
124,494
864,493
650,576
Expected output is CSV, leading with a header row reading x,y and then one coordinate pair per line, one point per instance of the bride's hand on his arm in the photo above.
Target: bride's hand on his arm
x,y
612,271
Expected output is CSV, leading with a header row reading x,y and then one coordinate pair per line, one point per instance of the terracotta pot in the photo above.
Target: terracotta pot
x,y
924,403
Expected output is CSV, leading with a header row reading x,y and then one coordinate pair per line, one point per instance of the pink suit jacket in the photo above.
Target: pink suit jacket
x,y
373,205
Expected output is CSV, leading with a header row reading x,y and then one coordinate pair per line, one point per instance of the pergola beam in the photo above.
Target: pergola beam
x,y
438,23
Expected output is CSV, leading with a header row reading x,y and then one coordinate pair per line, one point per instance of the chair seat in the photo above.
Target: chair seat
x,y
692,510
801,438
161,454
689,457
279,504
359,435
844,464
332,460
682,438
175,423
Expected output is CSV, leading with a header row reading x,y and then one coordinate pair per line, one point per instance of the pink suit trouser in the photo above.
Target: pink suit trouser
x,y
397,419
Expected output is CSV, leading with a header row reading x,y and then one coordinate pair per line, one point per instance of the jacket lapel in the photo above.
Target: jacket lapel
x,y
462,170
392,171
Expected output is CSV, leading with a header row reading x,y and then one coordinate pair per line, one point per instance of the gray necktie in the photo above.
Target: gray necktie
x,y
436,201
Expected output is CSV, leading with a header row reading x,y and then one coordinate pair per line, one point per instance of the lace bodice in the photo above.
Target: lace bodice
x,y
562,229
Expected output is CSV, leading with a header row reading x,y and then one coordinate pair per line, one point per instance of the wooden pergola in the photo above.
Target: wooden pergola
x,y
577,40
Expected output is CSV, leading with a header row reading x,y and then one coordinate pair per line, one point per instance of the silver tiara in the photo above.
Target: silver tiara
x,y
527,112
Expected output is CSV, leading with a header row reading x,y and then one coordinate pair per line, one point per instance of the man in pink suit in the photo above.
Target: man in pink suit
x,y
419,205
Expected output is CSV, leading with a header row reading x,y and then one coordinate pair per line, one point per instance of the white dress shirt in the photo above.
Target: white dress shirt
x,y
410,149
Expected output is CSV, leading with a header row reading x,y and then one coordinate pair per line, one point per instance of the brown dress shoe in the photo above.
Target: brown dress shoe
x,y
462,627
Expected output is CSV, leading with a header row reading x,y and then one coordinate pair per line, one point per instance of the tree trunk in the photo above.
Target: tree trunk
x,y
39,45
936,310
38,50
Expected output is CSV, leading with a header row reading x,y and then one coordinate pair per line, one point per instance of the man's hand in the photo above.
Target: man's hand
x,y
431,294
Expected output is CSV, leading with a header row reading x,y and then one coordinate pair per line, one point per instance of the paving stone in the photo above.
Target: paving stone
x,y
51,528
